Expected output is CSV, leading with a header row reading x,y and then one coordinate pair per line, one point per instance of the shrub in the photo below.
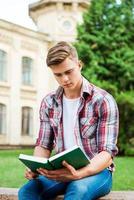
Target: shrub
x,y
125,102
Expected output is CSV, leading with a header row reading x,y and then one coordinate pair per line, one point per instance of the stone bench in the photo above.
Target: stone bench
x,y
11,194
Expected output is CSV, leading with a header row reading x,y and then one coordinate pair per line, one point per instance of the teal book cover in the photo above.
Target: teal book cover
x,y
34,163
75,156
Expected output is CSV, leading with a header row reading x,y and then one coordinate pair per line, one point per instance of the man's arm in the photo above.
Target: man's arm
x,y
107,137
97,164
45,138
41,152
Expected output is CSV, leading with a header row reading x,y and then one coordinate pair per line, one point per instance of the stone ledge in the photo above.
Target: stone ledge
x,y
8,193
11,194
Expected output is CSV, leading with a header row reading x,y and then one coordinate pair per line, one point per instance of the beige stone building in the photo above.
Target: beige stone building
x,y
24,76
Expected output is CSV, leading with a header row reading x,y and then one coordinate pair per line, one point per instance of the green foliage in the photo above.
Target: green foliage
x,y
105,44
126,109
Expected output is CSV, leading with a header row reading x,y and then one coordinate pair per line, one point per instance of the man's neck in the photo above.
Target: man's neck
x,y
74,93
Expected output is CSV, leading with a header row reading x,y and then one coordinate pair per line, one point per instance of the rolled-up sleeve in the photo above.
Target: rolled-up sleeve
x,y
108,126
45,136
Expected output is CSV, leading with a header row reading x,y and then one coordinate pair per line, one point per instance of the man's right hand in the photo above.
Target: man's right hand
x,y
30,175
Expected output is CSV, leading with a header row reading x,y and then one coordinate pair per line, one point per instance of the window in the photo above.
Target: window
x,y
27,121
3,65
2,119
27,64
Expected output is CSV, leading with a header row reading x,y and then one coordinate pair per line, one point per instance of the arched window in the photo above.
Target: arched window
x,y
27,66
27,121
3,65
2,119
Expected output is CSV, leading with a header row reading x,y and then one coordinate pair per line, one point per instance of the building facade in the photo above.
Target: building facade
x,y
24,77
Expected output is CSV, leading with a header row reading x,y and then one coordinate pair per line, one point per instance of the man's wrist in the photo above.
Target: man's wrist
x,y
84,172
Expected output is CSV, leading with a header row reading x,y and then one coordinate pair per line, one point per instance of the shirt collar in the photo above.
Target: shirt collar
x,y
86,90
87,87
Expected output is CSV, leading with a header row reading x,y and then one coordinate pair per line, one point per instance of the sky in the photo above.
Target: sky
x,y
16,11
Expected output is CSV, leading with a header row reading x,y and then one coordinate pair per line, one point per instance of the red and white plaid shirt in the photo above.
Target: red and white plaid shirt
x,y
96,127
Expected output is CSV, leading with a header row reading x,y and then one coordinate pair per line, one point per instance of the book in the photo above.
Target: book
x,y
75,156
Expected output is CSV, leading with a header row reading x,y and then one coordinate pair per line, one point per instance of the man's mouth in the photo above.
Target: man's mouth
x,y
68,85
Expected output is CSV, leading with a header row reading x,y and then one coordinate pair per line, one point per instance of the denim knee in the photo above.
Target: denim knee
x,y
21,192
79,188
29,191
76,190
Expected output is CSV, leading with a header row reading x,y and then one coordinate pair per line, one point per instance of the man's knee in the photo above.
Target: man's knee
x,y
21,192
78,188
29,188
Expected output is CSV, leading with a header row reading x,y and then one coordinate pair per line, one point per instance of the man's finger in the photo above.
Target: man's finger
x,y
69,167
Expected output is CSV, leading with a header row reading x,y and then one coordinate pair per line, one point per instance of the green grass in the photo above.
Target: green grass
x,y
12,170
123,177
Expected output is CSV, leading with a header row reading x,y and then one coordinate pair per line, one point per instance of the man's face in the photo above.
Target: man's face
x,y
67,73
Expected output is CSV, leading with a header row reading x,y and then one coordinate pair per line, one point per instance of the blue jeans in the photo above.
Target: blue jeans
x,y
89,188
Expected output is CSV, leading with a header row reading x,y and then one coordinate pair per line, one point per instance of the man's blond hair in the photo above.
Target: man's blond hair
x,y
59,52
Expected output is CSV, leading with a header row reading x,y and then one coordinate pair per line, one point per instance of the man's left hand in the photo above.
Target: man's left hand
x,y
68,173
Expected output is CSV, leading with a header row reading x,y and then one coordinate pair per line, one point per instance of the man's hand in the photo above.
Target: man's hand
x,y
30,175
68,173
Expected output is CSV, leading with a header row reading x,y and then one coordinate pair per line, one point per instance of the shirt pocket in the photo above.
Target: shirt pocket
x,y
88,127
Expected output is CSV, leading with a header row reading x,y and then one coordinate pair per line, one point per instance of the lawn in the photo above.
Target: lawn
x,y
12,170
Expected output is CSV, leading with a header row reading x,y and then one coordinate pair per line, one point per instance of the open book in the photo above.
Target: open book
x,y
75,156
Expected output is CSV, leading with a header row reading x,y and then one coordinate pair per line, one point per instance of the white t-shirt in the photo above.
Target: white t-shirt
x,y
70,108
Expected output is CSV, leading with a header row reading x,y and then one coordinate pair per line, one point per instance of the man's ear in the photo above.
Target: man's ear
x,y
80,64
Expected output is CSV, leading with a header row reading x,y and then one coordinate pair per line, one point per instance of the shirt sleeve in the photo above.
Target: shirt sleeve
x,y
45,136
108,126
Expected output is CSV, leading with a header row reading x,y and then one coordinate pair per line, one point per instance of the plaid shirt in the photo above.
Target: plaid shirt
x,y
96,127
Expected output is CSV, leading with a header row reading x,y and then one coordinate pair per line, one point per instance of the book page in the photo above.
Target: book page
x,y
33,158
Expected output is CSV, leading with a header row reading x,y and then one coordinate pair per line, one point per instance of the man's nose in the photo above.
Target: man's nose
x,y
65,78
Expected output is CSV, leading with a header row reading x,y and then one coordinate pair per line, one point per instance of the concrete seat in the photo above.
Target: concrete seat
x,y
11,194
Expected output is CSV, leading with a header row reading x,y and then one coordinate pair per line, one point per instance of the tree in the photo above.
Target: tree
x,y
105,44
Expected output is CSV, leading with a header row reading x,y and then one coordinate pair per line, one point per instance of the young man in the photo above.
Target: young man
x,y
76,113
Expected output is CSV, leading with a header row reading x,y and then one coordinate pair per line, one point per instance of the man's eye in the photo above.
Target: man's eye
x,y
58,75
69,72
